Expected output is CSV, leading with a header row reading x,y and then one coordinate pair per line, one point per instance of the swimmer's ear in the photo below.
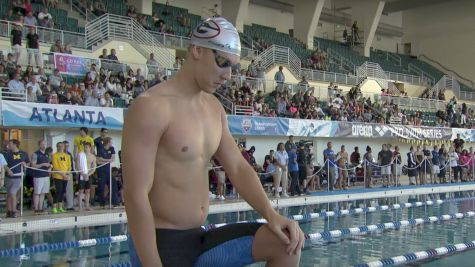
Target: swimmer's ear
x,y
196,51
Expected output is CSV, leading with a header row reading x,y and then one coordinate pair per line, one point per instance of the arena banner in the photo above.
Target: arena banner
x,y
23,114
370,130
312,128
260,126
73,65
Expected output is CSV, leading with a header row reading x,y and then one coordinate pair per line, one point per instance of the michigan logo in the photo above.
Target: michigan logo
x,y
206,30
246,125
17,156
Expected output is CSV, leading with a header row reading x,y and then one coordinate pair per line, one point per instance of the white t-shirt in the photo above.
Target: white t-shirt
x,y
454,157
282,157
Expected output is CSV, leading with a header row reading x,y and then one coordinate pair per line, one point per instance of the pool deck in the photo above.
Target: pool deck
x,y
30,222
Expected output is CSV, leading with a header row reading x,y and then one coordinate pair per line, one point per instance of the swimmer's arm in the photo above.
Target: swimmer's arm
x,y
144,125
245,179
93,167
241,174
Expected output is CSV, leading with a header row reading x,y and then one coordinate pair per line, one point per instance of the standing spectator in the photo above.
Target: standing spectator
x,y
33,46
302,161
435,164
342,163
368,160
458,142
384,160
41,178
454,164
86,164
279,78
16,36
3,170
294,172
443,165
17,160
152,64
99,141
412,166
397,166
289,145
329,158
281,163
106,156
261,76
81,139
61,166
69,190
419,158
355,157
177,64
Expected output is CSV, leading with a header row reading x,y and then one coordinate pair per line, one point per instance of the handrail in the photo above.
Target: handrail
x,y
446,69
414,68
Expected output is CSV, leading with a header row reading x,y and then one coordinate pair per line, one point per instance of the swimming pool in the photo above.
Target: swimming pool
x,y
342,251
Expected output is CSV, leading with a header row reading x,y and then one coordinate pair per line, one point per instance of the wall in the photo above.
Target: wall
x,y
444,32
281,20
198,7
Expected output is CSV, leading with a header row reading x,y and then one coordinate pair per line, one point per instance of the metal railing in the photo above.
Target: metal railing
x,y
446,83
430,79
226,102
341,60
47,35
318,75
120,27
447,70
393,57
243,110
406,78
7,94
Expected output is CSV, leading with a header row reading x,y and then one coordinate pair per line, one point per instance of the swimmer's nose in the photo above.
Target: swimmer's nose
x,y
226,74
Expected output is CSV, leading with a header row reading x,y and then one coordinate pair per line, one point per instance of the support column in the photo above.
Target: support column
x,y
367,13
235,11
306,17
142,6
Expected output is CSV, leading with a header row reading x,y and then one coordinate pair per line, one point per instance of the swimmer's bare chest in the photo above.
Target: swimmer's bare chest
x,y
180,186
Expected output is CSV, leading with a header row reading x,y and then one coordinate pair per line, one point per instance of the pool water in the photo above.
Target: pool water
x,y
344,251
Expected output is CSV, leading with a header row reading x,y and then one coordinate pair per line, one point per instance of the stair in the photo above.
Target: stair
x,y
72,13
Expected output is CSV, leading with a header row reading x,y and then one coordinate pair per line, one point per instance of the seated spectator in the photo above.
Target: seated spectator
x,y
170,30
98,8
30,20
106,101
50,3
67,49
139,76
55,79
45,18
35,87
10,16
15,85
103,55
53,98
131,12
57,47
113,56
92,99
18,7
30,96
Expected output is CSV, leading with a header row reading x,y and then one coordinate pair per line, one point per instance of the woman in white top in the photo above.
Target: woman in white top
x,y
453,159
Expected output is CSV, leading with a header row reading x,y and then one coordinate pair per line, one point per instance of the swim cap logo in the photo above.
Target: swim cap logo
x,y
207,30
246,125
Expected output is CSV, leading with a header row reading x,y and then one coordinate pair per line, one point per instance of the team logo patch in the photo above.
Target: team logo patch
x,y
246,125
207,30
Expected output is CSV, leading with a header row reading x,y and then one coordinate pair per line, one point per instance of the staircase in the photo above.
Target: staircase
x,y
280,55
109,26
446,83
374,71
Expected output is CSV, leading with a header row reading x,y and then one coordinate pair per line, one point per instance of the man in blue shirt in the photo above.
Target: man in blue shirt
x,y
435,164
99,141
17,160
279,77
329,155
106,156
294,172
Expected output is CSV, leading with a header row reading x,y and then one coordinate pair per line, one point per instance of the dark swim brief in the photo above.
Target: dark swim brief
x,y
230,245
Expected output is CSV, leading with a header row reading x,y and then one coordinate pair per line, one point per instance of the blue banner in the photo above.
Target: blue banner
x,y
312,128
261,126
63,116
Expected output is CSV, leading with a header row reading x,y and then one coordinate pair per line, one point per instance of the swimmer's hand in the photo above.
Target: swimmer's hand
x,y
288,231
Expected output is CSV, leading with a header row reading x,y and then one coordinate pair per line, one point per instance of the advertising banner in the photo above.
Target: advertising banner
x,y
63,116
312,128
73,65
346,129
260,126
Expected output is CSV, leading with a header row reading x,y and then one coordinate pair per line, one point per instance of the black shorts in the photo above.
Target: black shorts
x,y
302,172
85,185
230,245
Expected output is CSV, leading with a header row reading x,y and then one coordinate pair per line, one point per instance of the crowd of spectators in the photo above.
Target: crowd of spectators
x,y
51,185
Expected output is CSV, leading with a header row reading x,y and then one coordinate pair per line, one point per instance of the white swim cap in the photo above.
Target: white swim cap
x,y
219,34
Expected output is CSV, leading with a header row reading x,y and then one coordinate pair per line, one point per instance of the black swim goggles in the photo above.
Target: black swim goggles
x,y
221,61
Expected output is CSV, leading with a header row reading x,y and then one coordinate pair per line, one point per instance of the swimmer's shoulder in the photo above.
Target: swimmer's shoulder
x,y
152,105
215,103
